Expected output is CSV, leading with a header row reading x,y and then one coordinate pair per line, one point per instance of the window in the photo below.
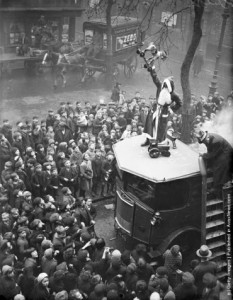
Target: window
x,y
169,18
17,33
158,196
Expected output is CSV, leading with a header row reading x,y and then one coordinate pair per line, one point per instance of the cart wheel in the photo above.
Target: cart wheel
x,y
130,66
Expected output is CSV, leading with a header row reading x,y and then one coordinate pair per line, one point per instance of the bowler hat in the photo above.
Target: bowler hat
x,y
204,251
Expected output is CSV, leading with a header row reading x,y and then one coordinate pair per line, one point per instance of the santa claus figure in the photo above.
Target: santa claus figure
x,y
167,103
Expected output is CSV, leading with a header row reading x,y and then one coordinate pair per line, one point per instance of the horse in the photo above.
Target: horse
x,y
62,61
50,60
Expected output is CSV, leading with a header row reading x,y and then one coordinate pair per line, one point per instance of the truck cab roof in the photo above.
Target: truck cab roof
x,y
132,158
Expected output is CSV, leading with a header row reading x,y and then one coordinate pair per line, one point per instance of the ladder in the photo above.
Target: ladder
x,y
214,226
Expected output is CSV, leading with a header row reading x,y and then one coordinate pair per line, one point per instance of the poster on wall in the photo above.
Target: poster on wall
x,y
169,18
65,33
88,36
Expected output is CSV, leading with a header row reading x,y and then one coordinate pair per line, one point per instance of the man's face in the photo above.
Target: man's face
x,y
34,254
98,155
54,172
88,202
18,138
15,214
39,169
23,234
11,274
5,219
67,164
16,178
28,197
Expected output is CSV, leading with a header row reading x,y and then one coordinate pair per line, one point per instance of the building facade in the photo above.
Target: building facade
x,y
19,18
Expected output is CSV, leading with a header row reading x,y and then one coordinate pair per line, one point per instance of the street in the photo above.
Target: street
x,y
23,96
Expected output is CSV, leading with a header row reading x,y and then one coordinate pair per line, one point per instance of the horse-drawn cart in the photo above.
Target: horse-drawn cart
x,y
125,38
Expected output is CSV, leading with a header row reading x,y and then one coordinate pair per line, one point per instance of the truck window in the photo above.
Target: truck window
x,y
158,196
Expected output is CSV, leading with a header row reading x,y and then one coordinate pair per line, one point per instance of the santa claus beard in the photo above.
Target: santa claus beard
x,y
164,97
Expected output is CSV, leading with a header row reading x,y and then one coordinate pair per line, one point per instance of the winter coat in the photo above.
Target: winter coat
x,y
76,157
5,154
219,157
63,137
86,175
41,293
8,287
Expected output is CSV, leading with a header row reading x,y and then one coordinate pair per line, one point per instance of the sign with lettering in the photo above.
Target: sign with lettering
x,y
126,41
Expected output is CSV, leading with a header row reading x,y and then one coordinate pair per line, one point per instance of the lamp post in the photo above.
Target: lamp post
x,y
213,84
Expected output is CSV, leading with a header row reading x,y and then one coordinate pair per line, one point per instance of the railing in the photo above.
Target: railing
x,y
42,3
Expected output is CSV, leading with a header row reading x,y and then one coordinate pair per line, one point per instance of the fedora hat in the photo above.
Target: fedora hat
x,y
204,251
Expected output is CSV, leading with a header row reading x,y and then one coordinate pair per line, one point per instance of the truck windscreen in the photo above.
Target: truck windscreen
x,y
158,196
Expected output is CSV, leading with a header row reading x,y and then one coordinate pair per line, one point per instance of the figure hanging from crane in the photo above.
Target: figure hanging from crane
x,y
167,100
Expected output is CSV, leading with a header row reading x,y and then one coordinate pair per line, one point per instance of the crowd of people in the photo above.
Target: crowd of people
x,y
51,170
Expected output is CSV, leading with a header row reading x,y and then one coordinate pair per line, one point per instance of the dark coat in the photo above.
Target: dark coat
x,y
201,269
8,287
40,293
219,157
115,94
60,137
185,292
5,154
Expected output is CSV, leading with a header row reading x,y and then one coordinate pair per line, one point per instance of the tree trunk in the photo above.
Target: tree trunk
x,y
109,46
199,6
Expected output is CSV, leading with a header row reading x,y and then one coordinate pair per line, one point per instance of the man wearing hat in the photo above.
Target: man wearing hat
x,y
8,286
23,244
63,134
109,173
218,157
68,176
7,130
186,289
48,262
205,266
8,170
40,181
59,238
116,92
50,118
5,151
